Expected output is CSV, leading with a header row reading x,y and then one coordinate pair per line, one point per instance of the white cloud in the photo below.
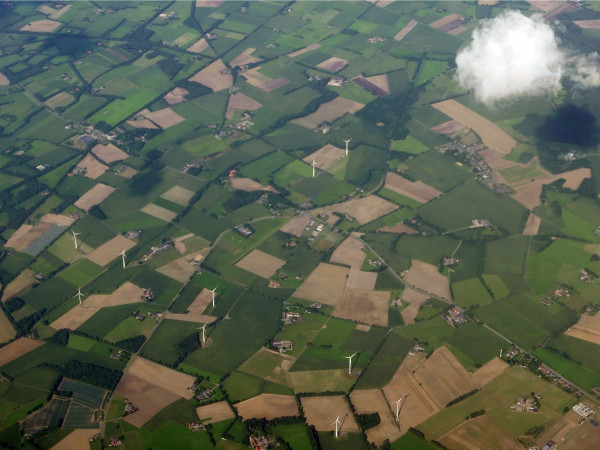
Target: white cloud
x,y
515,55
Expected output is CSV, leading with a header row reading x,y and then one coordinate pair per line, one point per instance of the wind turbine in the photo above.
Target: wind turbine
x,y
399,405
349,358
313,167
347,141
123,255
75,238
203,333
79,295
336,423
213,295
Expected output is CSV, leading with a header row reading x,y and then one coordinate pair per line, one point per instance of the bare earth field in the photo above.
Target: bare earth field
x,y
304,50
215,412
58,219
245,58
94,167
178,195
587,328
404,31
561,428
372,401
209,3
491,134
593,24
198,46
180,269
165,118
364,210
3,80
159,212
128,172
240,101
200,303
399,228
370,307
41,26
169,379
77,439
329,112
261,81
417,190
415,299
60,99
532,225
248,184
45,10
94,196
125,294
443,377
109,153
180,242
321,412
17,348
450,127
381,81
489,372
349,253
176,96
269,406
110,250
325,284
196,318
19,285
212,77
359,279
260,263
74,318
333,64
296,226
426,277
142,123
479,433
26,235
586,438
326,157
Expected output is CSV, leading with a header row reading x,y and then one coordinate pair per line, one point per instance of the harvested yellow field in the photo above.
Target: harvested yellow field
x,y
417,190
372,401
441,23
215,412
7,331
60,12
60,99
19,285
169,379
490,371
321,412
142,123
125,294
58,219
481,432
364,210
404,31
94,168
215,76
532,225
349,253
74,318
358,279
109,153
94,196
426,277
380,81
329,112
333,64
209,3
176,96
248,185
399,228
491,134
559,431
587,328
269,406
178,195
326,157
296,226
261,81
110,250
592,24
20,240
304,50
128,172
415,300
200,303
240,101
165,118
3,80
77,439
260,263
369,307
159,212
180,269
196,318
245,58
325,284
180,242
18,348
45,10
41,26
198,46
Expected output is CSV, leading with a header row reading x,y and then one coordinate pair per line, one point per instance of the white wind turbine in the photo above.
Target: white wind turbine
x,y
203,333
75,238
336,423
123,255
349,358
79,295
213,296
399,405
313,167
347,141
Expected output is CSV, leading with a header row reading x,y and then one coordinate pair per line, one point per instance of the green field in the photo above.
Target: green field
x,y
470,292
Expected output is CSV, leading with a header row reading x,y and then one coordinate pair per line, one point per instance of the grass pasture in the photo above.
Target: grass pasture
x,y
470,292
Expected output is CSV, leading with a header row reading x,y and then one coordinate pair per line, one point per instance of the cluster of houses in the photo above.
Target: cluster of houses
x,y
290,318
142,317
195,426
114,442
147,295
561,292
261,442
560,381
585,276
524,404
455,317
166,244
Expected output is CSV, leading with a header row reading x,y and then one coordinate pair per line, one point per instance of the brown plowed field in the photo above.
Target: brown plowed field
x,y
18,348
399,228
109,153
372,401
528,194
176,96
333,64
381,81
586,438
489,372
169,379
240,101
26,235
532,225
94,167
415,300
349,253
364,210
77,439
165,118
245,58
491,134
593,24
212,77
443,377
94,196
326,157
557,432
304,50
370,307
404,31
248,184
296,226
269,406
143,123
200,303
359,279
110,250
180,242
215,412
261,81
325,284
19,285
74,318
58,219
159,212
479,433
178,195
426,277
198,46
180,269
260,263
417,190
125,294
41,26
321,412
329,112
3,80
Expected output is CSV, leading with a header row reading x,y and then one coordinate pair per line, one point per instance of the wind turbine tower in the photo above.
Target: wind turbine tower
x,y
75,238
203,333
337,423
349,358
79,295
123,255
347,141
313,167
213,295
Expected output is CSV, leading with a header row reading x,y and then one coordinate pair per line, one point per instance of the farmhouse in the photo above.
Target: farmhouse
x,y
455,317
582,410
283,346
